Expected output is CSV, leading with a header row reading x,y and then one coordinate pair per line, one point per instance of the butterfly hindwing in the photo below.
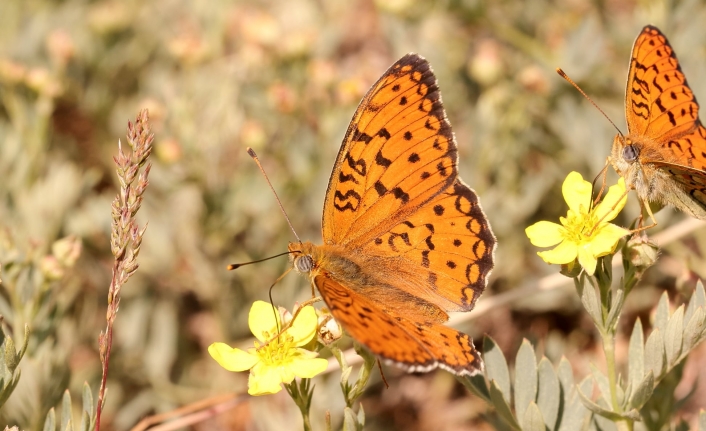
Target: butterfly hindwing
x,y
447,246
411,344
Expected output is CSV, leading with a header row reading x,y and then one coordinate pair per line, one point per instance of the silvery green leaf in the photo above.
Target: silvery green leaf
x,y
576,416
662,313
603,409
566,379
702,414
350,420
589,299
66,413
654,353
532,419
496,367
50,421
673,336
549,395
361,416
501,405
602,382
477,385
694,328
85,422
615,309
699,295
642,391
87,399
525,378
636,355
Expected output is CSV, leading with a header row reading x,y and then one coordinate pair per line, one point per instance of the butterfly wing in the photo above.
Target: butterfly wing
x,y
443,252
408,343
398,153
658,101
691,194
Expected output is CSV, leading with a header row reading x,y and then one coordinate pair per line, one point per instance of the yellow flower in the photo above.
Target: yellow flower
x,y
585,232
282,359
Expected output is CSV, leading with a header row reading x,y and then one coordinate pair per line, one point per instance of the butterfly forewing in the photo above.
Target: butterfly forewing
x,y
398,153
659,103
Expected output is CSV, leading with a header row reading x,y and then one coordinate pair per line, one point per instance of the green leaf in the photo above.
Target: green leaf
x,y
85,422
477,385
532,419
501,405
700,295
589,299
662,314
496,367
361,416
576,416
50,421
654,353
636,355
702,413
66,413
549,395
525,378
604,411
694,328
602,382
642,391
566,379
87,399
350,420
674,334
615,309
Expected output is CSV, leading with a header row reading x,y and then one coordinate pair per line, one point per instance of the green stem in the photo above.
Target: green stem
x,y
609,349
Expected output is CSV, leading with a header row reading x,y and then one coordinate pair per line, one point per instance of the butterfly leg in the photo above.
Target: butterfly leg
x,y
640,228
604,174
294,316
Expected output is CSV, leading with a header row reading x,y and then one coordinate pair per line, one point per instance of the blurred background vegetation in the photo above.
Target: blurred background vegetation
x,y
285,78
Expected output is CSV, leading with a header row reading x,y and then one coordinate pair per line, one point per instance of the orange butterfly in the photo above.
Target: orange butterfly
x,y
405,240
664,155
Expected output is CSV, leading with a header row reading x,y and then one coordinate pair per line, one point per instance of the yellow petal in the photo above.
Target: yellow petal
x,y
303,328
264,380
232,359
544,234
563,253
576,191
587,260
607,238
308,368
263,318
613,202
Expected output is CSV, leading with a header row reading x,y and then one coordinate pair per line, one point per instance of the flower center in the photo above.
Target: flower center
x,y
278,351
580,227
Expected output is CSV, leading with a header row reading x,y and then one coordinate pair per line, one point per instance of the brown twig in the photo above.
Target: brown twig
x,y
126,235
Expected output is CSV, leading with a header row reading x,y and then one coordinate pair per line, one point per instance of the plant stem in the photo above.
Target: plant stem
x,y
609,349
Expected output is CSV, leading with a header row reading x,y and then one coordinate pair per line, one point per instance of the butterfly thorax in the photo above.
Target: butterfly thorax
x,y
336,261
633,158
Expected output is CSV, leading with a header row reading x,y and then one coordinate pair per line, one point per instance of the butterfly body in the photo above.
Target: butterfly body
x,y
663,157
404,239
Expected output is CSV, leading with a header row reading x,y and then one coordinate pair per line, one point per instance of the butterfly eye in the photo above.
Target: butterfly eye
x,y
303,263
630,153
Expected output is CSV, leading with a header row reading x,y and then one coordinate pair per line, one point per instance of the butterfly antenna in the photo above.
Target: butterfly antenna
x,y
233,266
252,154
571,81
